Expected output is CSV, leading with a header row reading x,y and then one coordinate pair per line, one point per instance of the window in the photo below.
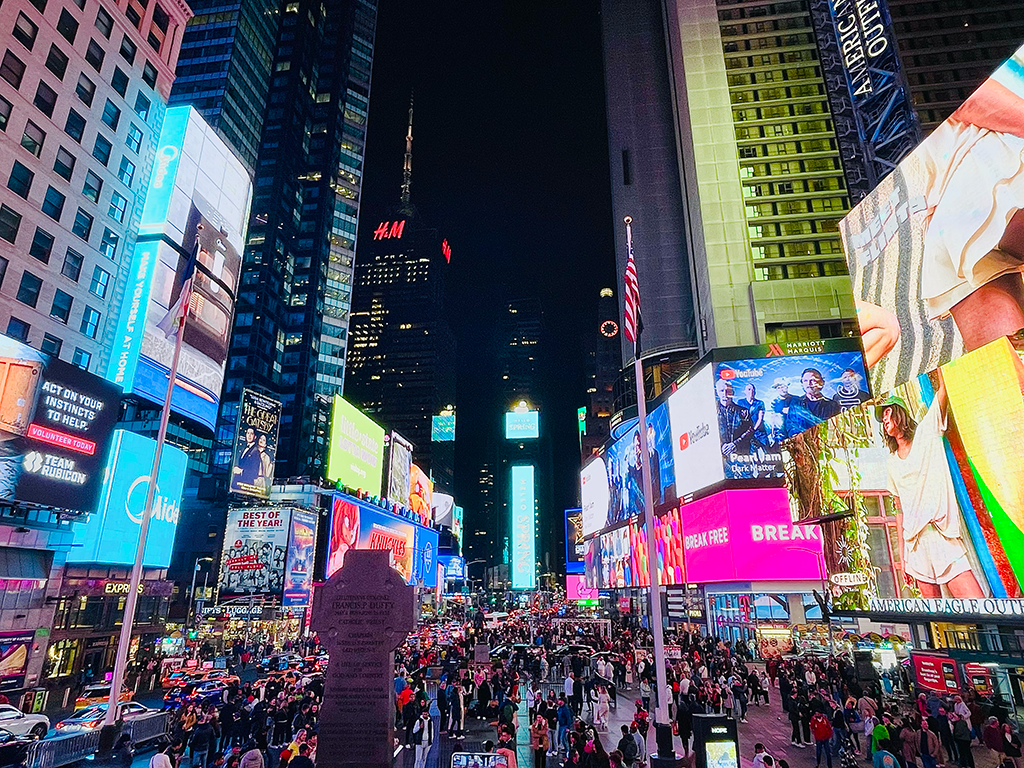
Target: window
x,y
118,206
64,164
85,89
83,225
42,246
10,221
40,5
126,173
75,126
90,322
94,55
142,106
81,358
57,62
119,81
72,267
93,186
25,31
61,308
46,99
100,281
20,181
53,203
33,137
51,345
104,23
108,245
12,69
67,25
128,50
5,113
101,149
28,291
149,75
111,115
134,138
3,269
18,329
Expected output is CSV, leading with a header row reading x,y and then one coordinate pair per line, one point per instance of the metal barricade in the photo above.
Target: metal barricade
x,y
148,727
64,750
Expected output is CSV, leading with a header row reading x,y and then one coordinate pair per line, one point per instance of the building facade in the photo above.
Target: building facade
x,y
295,294
603,359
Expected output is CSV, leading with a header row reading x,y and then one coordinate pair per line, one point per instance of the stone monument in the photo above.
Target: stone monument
x,y
362,614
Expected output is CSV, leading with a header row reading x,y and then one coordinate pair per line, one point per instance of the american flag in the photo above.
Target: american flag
x,y
632,324
174,320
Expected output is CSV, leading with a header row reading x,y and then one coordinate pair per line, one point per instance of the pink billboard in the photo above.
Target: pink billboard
x,y
576,588
748,535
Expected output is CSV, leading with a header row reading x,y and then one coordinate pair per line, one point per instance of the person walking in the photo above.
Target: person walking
x,y
422,738
539,742
201,743
821,729
962,738
627,746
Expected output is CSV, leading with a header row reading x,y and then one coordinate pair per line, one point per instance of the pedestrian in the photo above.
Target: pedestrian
x,y
759,755
821,729
201,743
793,710
539,742
252,759
929,747
565,718
854,723
1011,745
302,759
602,709
641,744
123,752
627,747
645,693
992,736
162,758
422,738
962,738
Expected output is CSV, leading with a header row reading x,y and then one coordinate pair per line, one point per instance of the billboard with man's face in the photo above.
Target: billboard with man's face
x,y
199,191
252,468
936,251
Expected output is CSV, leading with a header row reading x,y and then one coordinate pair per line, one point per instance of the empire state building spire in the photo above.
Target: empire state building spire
x,y
406,207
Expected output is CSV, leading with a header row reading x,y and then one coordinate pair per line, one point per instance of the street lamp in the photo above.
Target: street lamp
x,y
190,614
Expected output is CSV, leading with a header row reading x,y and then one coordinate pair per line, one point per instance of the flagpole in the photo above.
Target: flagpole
x,y
661,713
128,621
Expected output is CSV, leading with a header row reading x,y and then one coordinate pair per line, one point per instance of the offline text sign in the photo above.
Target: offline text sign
x,y
362,614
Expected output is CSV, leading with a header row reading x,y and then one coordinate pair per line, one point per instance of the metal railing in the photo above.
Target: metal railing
x,y
996,643
65,750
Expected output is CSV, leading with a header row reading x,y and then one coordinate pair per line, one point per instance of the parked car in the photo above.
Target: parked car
x,y
90,718
218,674
209,692
280,662
177,677
99,693
21,724
13,748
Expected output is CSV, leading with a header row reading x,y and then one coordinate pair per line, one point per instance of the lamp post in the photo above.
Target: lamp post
x,y
190,614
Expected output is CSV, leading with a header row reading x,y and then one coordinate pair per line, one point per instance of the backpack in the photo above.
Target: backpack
x,y
631,750
821,727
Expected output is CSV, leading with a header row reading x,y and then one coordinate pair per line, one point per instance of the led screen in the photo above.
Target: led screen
x,y
15,648
298,577
111,533
56,422
421,495
454,567
399,469
357,525
524,554
576,588
255,548
442,428
696,446
356,452
198,189
522,425
935,250
574,541
252,465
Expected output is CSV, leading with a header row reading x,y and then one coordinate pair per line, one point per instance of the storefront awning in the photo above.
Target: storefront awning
x,y
19,563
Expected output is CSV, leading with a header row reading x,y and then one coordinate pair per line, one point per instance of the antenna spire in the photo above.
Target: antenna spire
x,y
407,165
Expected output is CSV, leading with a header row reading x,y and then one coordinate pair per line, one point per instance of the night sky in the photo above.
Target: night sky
x,y
510,162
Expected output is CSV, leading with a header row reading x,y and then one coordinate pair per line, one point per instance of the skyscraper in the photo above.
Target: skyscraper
x,y
602,363
292,315
401,351
225,69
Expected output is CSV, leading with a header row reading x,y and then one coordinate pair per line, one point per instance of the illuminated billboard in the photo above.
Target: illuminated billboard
x,y
111,533
935,251
524,514
574,541
442,428
421,495
356,451
56,422
298,575
255,549
252,464
399,469
696,447
198,188
357,525
576,589
457,515
522,425
454,567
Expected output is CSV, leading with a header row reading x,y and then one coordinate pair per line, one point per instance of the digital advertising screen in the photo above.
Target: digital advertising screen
x,y
524,514
56,422
522,425
421,494
595,495
110,535
454,567
355,455
15,648
574,541
696,447
198,189
399,469
442,428
298,575
748,535
934,251
576,588
255,550
770,393
357,525
252,463
457,517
